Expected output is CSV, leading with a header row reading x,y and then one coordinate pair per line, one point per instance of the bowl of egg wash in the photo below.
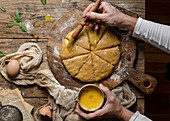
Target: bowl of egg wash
x,y
90,97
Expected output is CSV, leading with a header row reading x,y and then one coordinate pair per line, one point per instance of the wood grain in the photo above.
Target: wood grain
x,y
32,11
158,104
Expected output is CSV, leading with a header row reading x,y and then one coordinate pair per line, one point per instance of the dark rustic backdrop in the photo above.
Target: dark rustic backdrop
x,y
157,105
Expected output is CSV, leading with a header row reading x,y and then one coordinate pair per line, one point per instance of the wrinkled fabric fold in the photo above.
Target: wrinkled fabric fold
x,y
154,33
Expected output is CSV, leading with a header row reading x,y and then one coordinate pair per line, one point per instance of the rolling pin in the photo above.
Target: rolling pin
x,y
80,27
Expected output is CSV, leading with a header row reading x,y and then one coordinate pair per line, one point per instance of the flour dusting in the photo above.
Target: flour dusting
x,y
70,22
56,51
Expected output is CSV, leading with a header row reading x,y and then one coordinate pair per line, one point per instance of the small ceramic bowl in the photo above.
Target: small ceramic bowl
x,y
90,97
10,113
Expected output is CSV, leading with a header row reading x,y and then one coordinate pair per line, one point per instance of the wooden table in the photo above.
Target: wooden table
x,y
31,11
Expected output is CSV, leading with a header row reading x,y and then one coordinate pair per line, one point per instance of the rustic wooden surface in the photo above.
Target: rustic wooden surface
x,y
33,10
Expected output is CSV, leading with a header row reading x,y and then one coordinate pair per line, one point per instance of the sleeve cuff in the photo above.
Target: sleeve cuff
x,y
139,117
137,27
135,115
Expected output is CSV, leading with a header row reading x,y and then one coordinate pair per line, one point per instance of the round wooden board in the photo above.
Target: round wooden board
x,y
58,32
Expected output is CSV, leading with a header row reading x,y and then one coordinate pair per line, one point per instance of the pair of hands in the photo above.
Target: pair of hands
x,y
108,15
111,109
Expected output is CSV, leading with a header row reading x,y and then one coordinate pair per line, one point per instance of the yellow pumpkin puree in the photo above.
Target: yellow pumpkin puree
x,y
90,97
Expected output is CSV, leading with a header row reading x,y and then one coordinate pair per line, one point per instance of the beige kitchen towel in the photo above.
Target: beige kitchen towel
x,y
34,70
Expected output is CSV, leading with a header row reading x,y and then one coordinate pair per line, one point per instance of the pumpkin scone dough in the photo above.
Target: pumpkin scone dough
x,y
94,55
110,55
83,40
76,50
95,35
102,68
108,40
86,73
74,64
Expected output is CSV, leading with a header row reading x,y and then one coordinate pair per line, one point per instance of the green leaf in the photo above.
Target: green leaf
x,y
17,14
3,9
2,54
15,22
43,2
22,26
9,25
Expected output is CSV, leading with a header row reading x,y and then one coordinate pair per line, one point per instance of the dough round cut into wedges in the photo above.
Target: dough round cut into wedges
x,y
74,64
110,55
76,50
94,56
86,73
82,37
94,36
101,68
109,39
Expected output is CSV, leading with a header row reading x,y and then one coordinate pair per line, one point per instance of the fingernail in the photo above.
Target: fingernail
x,y
91,25
88,14
101,85
96,28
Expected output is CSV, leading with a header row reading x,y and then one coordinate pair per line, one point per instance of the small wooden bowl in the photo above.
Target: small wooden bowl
x,y
90,97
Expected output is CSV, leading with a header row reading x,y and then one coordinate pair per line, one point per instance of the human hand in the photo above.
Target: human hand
x,y
111,109
109,15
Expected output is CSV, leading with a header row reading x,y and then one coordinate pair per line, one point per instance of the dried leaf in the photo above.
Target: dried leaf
x,y
2,54
36,24
22,26
17,14
9,25
43,2
3,9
